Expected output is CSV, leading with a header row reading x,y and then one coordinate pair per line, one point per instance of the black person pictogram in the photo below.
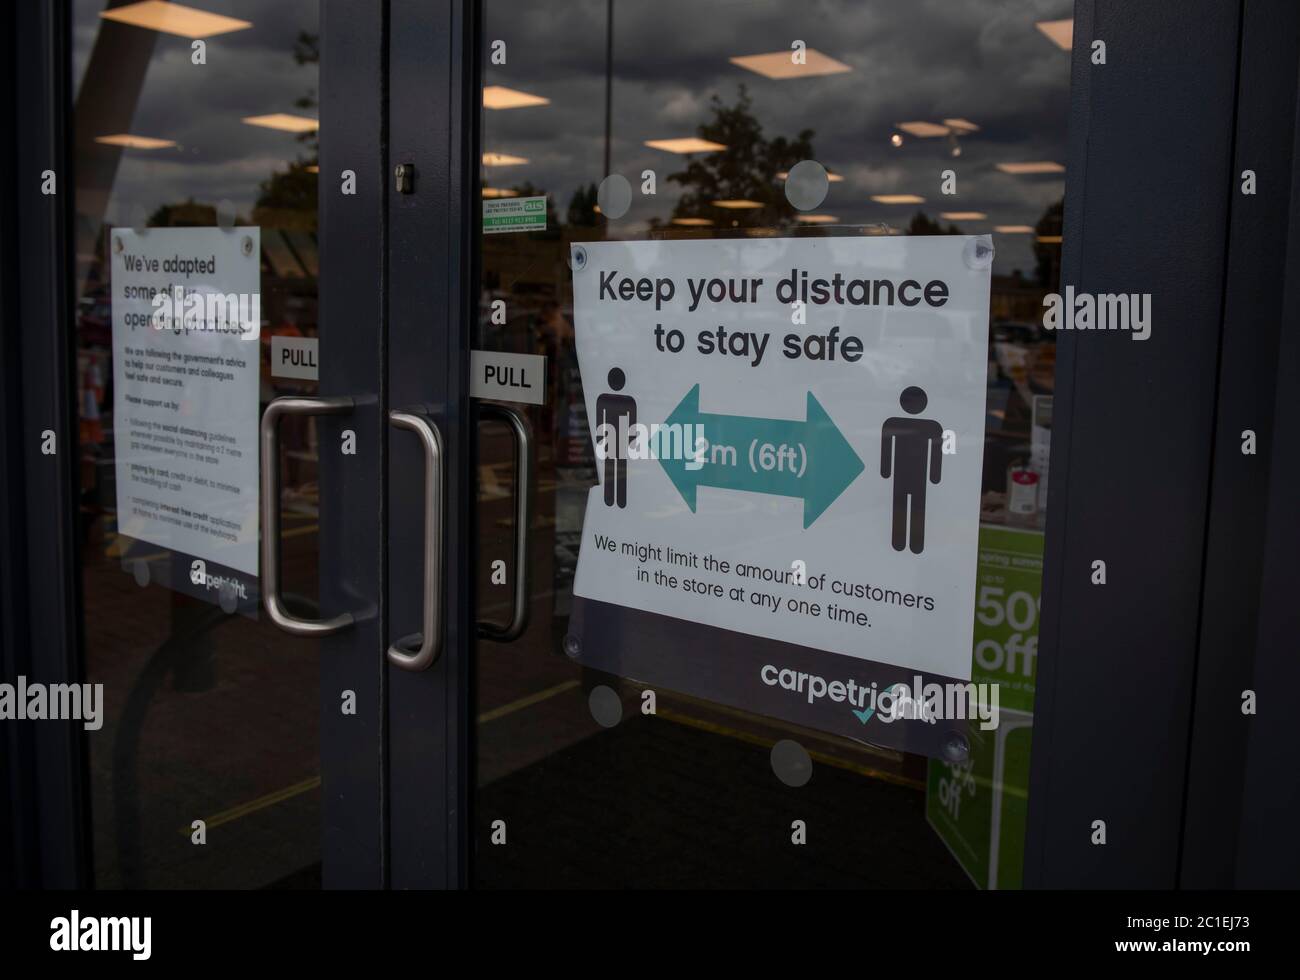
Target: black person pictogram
x,y
618,412
911,450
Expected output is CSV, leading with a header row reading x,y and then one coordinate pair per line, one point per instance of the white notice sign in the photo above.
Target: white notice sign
x,y
790,438
186,355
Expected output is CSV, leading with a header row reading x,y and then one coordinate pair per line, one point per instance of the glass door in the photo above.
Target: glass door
x,y
630,725
227,368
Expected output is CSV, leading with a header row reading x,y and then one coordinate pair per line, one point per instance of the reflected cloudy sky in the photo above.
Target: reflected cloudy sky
x,y
248,73
981,60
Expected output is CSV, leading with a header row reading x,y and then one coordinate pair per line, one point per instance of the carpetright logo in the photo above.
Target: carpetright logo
x,y
916,702
133,934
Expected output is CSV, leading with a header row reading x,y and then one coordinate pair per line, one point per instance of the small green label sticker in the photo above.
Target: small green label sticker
x,y
514,214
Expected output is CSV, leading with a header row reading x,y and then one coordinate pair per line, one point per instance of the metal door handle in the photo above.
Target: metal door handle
x,y
427,643
271,599
523,519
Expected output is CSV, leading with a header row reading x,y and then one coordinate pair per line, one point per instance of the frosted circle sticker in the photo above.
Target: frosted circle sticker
x,y
614,196
806,185
956,747
228,598
978,253
791,762
606,706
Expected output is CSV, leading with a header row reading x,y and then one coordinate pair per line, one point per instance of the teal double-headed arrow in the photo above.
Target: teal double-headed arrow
x,y
809,459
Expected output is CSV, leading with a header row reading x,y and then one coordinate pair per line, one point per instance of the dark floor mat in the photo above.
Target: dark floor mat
x,y
654,804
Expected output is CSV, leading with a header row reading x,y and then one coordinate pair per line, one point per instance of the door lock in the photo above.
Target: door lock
x,y
404,176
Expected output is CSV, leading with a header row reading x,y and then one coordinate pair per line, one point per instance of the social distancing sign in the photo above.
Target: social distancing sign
x,y
186,366
789,438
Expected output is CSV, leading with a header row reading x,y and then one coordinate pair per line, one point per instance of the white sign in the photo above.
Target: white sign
x,y
295,357
186,356
790,437
507,377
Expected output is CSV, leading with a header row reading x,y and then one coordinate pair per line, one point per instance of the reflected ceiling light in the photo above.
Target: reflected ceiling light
x,y
1032,167
780,64
686,144
898,198
922,129
961,125
1013,229
1059,32
502,160
818,219
963,215
830,177
135,142
499,192
500,97
172,18
693,222
896,139
737,204
1050,239
284,122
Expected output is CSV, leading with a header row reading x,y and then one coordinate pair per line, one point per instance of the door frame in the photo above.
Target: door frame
x,y
1116,662
433,108
1243,579
46,814
38,563
1152,666
353,304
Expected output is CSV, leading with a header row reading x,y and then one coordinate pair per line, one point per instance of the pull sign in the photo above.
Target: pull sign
x,y
295,357
508,377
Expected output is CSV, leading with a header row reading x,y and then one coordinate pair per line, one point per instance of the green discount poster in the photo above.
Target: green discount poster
x,y
978,807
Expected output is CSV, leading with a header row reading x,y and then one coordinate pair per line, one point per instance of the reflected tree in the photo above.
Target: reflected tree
x,y
188,214
746,170
288,198
1048,253
923,224
306,51
582,206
